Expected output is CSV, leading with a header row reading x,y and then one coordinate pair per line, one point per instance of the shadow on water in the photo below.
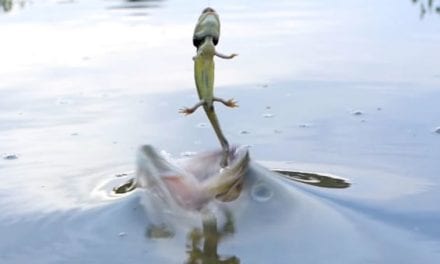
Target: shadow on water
x,y
315,179
427,7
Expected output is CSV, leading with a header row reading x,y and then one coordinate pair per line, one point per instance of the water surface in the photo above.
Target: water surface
x,y
336,89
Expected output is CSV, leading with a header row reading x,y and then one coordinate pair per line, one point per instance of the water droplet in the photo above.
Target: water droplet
x,y
261,192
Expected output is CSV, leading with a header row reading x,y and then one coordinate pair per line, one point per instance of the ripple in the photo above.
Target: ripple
x,y
114,187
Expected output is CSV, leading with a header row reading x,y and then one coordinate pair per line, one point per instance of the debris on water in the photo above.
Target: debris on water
x,y
268,115
10,157
303,125
437,130
244,132
122,234
379,109
202,125
357,113
261,192
277,131
188,154
268,107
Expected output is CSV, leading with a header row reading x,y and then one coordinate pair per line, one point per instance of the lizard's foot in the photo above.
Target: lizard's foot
x,y
186,111
231,103
224,161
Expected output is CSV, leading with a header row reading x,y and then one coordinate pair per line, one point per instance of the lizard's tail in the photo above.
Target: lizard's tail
x,y
223,141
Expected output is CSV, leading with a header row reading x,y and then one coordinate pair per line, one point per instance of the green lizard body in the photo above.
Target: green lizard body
x,y
206,36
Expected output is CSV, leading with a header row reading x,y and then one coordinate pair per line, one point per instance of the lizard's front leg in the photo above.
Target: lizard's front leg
x,y
188,111
229,103
225,56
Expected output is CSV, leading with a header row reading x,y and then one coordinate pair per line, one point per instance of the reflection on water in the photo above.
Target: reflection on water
x,y
427,6
315,179
202,245
137,4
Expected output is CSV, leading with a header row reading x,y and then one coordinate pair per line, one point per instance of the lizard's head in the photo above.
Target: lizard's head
x,y
208,10
208,25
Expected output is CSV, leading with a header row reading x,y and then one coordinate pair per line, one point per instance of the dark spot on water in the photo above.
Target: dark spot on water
x,y
10,157
121,175
437,130
315,179
357,113
244,132
188,153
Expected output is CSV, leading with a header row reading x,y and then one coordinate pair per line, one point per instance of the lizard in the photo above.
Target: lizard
x,y
205,38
